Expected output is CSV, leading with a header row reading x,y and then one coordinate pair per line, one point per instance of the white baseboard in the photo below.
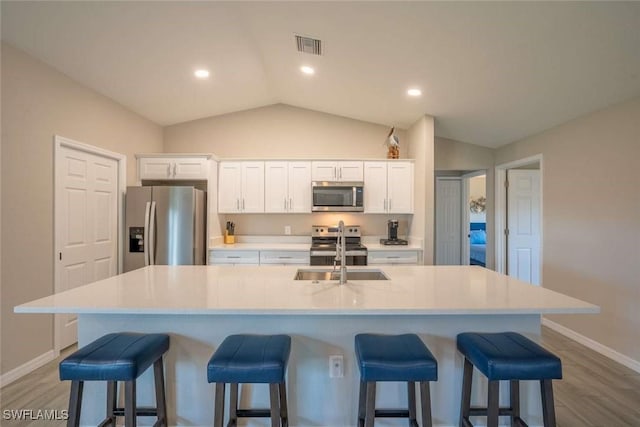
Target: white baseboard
x,y
22,370
593,345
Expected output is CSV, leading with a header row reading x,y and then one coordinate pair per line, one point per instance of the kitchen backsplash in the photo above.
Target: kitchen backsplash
x,y
274,224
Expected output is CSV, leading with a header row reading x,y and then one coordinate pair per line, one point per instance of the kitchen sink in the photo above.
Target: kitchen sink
x,y
317,274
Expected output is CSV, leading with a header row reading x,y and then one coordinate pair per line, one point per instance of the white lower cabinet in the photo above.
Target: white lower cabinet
x,y
406,257
266,257
284,257
224,256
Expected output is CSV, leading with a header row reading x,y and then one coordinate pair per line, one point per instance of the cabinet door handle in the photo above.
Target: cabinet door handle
x,y
335,172
242,204
175,167
238,204
285,203
232,256
285,257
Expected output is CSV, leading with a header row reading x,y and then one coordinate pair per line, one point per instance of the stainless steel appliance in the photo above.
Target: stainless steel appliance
x,y
323,245
164,226
331,196
392,233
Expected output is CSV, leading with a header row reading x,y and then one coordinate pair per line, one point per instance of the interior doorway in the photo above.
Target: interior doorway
x,y
519,219
88,200
460,218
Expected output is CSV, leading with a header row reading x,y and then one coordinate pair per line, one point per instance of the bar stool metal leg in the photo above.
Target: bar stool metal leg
x,y
274,404
112,387
493,409
514,391
362,400
284,411
218,416
370,406
548,409
465,405
411,398
233,404
425,402
75,403
161,401
130,403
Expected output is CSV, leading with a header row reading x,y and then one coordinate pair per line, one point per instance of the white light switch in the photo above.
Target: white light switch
x,y
287,230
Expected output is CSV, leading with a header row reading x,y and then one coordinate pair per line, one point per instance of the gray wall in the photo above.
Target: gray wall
x,y
38,102
591,219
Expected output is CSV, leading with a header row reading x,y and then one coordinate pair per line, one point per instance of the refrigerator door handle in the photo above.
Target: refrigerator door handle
x,y
147,230
152,234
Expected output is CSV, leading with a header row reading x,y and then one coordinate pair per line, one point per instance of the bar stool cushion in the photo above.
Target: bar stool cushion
x,y
250,359
394,358
509,356
114,357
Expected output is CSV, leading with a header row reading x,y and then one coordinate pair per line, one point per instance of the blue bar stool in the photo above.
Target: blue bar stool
x,y
512,357
112,358
251,359
394,358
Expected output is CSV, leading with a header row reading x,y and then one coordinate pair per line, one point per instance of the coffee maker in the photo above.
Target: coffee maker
x,y
392,234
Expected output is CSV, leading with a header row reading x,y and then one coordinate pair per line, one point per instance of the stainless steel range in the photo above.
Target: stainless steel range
x,y
323,245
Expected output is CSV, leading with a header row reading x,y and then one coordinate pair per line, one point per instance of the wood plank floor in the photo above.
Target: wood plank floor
x,y
595,391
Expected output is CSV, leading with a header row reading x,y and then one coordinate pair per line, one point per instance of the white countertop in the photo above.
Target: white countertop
x,y
437,290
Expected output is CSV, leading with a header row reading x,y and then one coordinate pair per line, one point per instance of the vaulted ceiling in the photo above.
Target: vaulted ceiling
x,y
490,73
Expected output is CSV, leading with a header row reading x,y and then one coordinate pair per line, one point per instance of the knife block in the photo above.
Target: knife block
x,y
229,239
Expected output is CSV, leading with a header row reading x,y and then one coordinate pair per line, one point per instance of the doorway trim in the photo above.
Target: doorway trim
x,y
501,210
466,214
60,142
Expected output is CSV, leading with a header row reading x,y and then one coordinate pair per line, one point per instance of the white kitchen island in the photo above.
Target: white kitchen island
x,y
200,305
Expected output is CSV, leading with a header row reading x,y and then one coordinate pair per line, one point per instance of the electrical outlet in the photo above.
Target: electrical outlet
x,y
287,230
336,366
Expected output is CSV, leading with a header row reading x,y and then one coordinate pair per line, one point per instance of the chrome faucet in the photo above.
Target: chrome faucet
x,y
341,253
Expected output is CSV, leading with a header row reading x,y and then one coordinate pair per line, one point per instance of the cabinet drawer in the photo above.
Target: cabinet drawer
x,y
393,257
284,257
234,257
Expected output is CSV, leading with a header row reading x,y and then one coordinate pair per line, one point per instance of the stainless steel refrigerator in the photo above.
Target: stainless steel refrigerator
x,y
164,226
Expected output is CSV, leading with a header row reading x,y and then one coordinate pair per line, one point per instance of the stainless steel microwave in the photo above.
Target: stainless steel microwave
x,y
329,196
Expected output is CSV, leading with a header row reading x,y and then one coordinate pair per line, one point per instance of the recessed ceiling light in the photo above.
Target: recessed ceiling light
x,y
307,70
201,74
414,92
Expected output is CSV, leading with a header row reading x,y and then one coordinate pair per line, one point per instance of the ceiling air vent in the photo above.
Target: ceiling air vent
x,y
309,45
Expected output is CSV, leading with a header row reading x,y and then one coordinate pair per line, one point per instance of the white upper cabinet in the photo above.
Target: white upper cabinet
x,y
337,171
375,187
191,168
241,187
299,187
288,187
400,187
388,187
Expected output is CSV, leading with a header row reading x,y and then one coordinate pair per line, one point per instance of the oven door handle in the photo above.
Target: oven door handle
x,y
323,253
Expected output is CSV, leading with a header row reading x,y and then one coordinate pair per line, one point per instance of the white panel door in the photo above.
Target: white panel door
x,y
252,187
86,224
375,187
400,187
276,194
299,187
229,187
448,221
523,223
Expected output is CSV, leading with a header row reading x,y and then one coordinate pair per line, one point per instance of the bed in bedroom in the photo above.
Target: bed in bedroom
x,y
478,244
